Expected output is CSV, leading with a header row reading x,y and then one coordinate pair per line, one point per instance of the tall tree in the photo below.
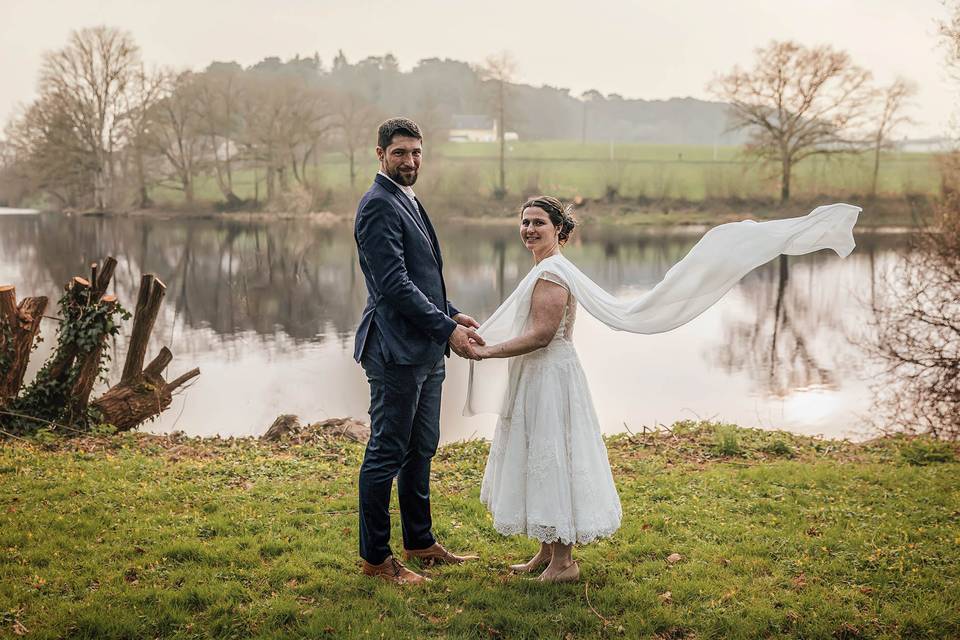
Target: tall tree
x,y
284,118
51,154
176,133
87,81
797,102
219,89
499,70
586,99
356,121
892,101
147,87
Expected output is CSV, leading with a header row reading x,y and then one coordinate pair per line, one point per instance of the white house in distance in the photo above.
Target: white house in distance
x,y
475,128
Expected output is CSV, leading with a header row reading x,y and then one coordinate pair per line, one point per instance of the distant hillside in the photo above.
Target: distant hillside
x,y
435,90
549,113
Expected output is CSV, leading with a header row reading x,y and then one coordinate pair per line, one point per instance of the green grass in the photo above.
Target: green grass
x,y
139,536
596,170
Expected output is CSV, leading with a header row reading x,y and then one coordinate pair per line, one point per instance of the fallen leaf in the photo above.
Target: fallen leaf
x,y
666,597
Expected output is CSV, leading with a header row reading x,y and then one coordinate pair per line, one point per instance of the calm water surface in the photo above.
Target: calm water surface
x,y
268,310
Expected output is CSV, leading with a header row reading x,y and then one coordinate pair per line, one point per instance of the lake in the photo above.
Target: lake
x,y
268,310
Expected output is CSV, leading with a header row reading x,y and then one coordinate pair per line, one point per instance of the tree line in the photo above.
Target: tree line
x,y
107,130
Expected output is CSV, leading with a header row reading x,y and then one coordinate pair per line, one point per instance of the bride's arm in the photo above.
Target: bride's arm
x,y
546,313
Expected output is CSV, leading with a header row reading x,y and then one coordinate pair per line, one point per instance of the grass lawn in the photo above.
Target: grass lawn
x,y
659,172
138,536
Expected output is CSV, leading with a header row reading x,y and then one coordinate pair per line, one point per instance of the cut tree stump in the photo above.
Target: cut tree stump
x,y
142,392
128,404
19,325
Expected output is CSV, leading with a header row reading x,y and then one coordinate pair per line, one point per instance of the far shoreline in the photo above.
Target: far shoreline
x,y
882,215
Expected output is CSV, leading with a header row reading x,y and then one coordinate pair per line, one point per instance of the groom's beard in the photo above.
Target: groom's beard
x,y
404,179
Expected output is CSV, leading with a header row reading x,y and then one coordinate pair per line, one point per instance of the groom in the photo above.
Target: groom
x,y
407,328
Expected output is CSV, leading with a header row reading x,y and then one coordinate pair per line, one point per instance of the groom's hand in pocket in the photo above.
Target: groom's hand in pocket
x,y
460,341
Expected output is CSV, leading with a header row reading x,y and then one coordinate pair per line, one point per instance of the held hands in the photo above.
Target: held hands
x,y
464,339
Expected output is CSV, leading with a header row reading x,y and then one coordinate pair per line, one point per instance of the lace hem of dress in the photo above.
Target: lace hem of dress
x,y
550,534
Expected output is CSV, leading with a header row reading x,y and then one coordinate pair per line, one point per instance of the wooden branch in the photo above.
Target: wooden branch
x,y
151,294
104,276
78,289
189,375
87,376
158,364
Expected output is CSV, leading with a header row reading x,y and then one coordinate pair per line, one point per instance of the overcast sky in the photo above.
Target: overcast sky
x,y
635,48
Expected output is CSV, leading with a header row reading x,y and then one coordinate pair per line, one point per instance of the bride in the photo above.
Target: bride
x,y
547,474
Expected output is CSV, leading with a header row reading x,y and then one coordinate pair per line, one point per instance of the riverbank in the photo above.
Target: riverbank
x,y
881,214
120,536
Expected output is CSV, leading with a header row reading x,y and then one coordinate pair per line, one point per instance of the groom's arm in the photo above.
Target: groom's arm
x,y
380,236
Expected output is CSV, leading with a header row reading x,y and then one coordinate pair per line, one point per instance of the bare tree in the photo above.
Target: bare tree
x,y
175,133
219,95
797,102
87,81
950,38
917,310
500,69
892,99
284,120
586,99
917,330
356,122
51,154
147,88
310,120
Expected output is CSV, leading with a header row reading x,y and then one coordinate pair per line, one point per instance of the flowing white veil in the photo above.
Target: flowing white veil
x,y
718,261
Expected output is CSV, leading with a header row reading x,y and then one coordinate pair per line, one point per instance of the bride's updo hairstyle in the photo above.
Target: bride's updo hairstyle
x,y
560,216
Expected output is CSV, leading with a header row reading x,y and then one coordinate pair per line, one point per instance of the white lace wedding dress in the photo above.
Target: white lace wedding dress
x,y
547,475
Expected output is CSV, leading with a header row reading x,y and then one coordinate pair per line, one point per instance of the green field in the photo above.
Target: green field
x,y
780,536
628,171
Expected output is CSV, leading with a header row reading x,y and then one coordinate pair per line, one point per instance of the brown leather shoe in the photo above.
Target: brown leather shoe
x,y
435,555
392,571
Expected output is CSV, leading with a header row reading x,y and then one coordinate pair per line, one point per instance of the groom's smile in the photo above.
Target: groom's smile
x,y
401,159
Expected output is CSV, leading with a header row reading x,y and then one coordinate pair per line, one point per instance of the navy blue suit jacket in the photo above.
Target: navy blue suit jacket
x,y
407,307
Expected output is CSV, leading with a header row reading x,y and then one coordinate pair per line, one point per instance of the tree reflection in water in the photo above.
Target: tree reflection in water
x,y
276,293
790,331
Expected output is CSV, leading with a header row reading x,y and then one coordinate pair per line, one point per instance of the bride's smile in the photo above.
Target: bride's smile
x,y
538,232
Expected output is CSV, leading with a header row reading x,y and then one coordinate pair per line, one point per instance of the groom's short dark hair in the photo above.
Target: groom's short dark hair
x,y
397,126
